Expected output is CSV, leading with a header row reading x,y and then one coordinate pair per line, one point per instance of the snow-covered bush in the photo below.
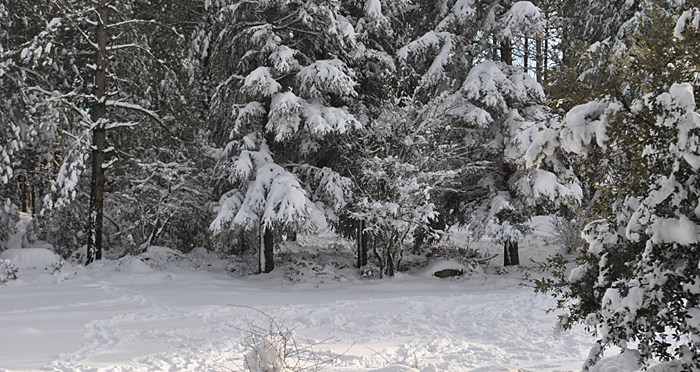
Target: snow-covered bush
x,y
33,259
8,271
638,144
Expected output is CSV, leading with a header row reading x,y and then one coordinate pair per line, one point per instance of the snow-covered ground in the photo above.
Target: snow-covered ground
x,y
135,314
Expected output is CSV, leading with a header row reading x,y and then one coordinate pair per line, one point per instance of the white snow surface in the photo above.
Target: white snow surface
x,y
167,311
115,316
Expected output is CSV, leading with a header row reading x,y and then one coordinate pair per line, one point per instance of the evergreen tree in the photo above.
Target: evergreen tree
x,y
282,84
463,58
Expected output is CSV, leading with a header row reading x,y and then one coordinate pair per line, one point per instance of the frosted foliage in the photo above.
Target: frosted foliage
x,y
248,161
66,181
502,231
326,77
429,41
260,83
274,197
323,120
680,101
229,204
584,122
7,151
436,71
534,137
522,18
663,222
283,60
533,145
373,9
248,114
494,84
284,118
542,184
689,18
456,107
461,12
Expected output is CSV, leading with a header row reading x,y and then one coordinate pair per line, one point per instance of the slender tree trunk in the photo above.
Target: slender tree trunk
x,y
506,52
546,52
538,59
364,248
390,261
526,53
514,257
269,245
361,244
25,193
99,109
33,198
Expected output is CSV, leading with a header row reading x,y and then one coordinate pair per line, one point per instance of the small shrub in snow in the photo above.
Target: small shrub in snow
x,y
275,349
8,271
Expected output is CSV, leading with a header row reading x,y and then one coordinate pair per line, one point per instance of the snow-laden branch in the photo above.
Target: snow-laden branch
x,y
135,107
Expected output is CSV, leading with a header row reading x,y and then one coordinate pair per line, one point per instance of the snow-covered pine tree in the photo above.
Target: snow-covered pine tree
x,y
381,28
282,85
636,141
479,115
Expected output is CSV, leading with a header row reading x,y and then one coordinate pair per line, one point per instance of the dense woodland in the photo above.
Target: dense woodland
x,y
234,125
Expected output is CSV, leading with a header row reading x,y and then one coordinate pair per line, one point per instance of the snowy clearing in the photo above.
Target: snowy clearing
x,y
114,316
167,311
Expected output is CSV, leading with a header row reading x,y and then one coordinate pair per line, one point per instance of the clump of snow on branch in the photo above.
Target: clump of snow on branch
x,y
689,18
326,77
494,84
259,83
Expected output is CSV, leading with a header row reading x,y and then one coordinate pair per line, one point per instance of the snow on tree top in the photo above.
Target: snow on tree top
x,y
522,17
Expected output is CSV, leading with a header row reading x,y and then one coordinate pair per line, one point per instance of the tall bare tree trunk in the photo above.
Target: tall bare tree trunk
x,y
99,109
361,244
268,245
538,59
526,53
546,51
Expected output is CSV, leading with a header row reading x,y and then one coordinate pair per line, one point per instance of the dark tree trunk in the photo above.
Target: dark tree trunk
x,y
33,200
526,54
538,59
390,269
99,109
506,52
510,254
268,245
361,244
25,194
545,53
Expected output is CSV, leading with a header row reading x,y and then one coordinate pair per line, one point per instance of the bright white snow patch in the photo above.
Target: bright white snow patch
x,y
32,258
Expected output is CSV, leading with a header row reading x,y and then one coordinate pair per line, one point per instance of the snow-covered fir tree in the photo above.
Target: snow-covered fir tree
x,y
282,87
463,58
